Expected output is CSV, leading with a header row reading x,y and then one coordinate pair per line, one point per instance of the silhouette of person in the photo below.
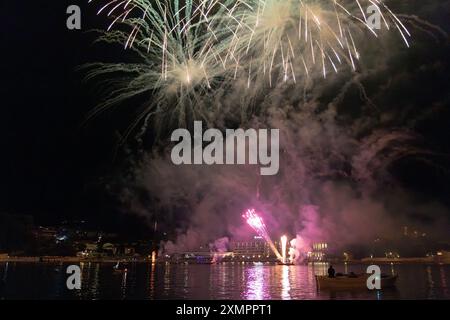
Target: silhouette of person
x,y
331,272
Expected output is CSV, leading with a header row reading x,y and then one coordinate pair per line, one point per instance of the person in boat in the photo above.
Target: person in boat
x,y
331,272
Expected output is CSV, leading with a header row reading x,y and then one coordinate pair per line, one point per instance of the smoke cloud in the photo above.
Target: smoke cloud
x,y
339,139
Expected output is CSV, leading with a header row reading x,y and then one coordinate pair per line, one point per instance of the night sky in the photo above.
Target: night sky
x,y
52,163
54,167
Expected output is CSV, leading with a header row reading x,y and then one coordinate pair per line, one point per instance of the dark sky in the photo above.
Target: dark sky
x,y
49,159
52,167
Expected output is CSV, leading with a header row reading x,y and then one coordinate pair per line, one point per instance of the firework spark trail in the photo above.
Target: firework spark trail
x,y
293,38
256,222
189,49
283,241
180,49
284,35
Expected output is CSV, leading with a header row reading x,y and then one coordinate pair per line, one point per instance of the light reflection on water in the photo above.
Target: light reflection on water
x,y
255,288
285,283
218,281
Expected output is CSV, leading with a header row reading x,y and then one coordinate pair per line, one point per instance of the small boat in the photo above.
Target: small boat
x,y
352,281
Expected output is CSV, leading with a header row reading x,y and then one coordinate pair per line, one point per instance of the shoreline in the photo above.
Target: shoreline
x,y
52,259
60,259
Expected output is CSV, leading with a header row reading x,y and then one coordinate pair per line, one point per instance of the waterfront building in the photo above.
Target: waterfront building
x,y
318,253
256,249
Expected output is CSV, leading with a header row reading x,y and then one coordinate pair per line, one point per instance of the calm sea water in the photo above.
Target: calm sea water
x,y
220,281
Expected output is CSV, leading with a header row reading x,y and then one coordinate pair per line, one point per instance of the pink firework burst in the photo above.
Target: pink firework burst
x,y
255,221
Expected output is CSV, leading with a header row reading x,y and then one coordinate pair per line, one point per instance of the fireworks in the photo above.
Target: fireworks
x,y
292,251
190,49
288,39
179,46
283,248
256,222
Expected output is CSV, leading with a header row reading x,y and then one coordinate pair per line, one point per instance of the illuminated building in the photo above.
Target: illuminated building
x,y
254,250
318,253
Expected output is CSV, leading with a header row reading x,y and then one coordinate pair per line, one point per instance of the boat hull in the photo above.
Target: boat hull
x,y
344,282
